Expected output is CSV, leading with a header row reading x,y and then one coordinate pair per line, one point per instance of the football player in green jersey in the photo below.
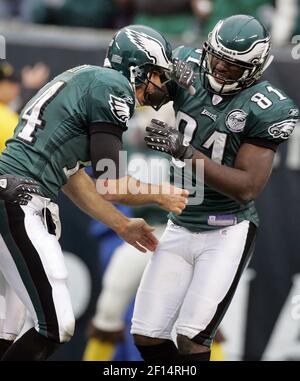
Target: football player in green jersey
x,y
77,118
233,125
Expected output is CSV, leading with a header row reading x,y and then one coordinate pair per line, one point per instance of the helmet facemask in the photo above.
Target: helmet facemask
x,y
141,75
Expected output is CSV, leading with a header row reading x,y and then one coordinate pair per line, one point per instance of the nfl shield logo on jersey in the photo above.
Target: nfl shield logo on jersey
x,y
236,120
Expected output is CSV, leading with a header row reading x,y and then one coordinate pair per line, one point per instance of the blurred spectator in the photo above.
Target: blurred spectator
x,y
209,12
124,13
9,91
21,9
15,90
167,16
286,21
202,8
32,79
88,13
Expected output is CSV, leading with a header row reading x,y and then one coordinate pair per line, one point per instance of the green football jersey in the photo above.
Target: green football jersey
x,y
51,141
218,126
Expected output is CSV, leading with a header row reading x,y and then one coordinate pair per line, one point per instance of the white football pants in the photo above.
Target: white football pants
x,y
190,281
32,263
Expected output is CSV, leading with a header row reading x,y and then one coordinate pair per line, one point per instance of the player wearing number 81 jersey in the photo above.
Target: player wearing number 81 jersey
x,y
218,125
233,124
222,117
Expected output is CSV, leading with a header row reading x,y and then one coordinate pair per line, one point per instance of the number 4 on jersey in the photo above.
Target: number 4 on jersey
x,y
34,113
216,142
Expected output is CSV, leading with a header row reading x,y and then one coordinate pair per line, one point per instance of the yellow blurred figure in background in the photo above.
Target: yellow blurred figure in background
x,y
8,122
9,91
97,350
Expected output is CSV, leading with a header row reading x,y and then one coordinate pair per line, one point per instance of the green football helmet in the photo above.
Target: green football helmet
x,y
137,51
239,40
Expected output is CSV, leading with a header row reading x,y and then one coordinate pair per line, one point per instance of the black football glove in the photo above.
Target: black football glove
x,y
182,74
165,138
17,189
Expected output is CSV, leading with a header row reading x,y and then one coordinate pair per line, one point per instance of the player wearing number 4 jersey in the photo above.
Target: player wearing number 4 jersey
x,y
234,124
77,118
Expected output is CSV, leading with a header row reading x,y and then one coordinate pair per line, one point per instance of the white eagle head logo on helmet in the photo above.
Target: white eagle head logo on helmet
x,y
241,42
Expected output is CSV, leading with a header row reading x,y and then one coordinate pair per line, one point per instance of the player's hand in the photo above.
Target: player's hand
x,y
173,199
182,74
139,234
164,138
17,190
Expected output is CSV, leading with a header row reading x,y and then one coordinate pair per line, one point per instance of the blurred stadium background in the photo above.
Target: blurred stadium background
x,y
263,322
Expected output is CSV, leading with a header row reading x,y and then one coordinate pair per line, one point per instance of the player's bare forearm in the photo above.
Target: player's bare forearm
x,y
246,180
81,190
130,191
232,182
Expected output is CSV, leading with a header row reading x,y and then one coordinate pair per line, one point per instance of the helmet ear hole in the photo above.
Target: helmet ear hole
x,y
135,70
132,76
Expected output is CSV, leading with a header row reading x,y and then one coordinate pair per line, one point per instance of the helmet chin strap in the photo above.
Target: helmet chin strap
x,y
132,70
133,75
137,103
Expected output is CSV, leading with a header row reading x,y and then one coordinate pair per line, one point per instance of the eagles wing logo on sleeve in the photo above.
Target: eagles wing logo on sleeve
x,y
282,129
119,108
150,46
